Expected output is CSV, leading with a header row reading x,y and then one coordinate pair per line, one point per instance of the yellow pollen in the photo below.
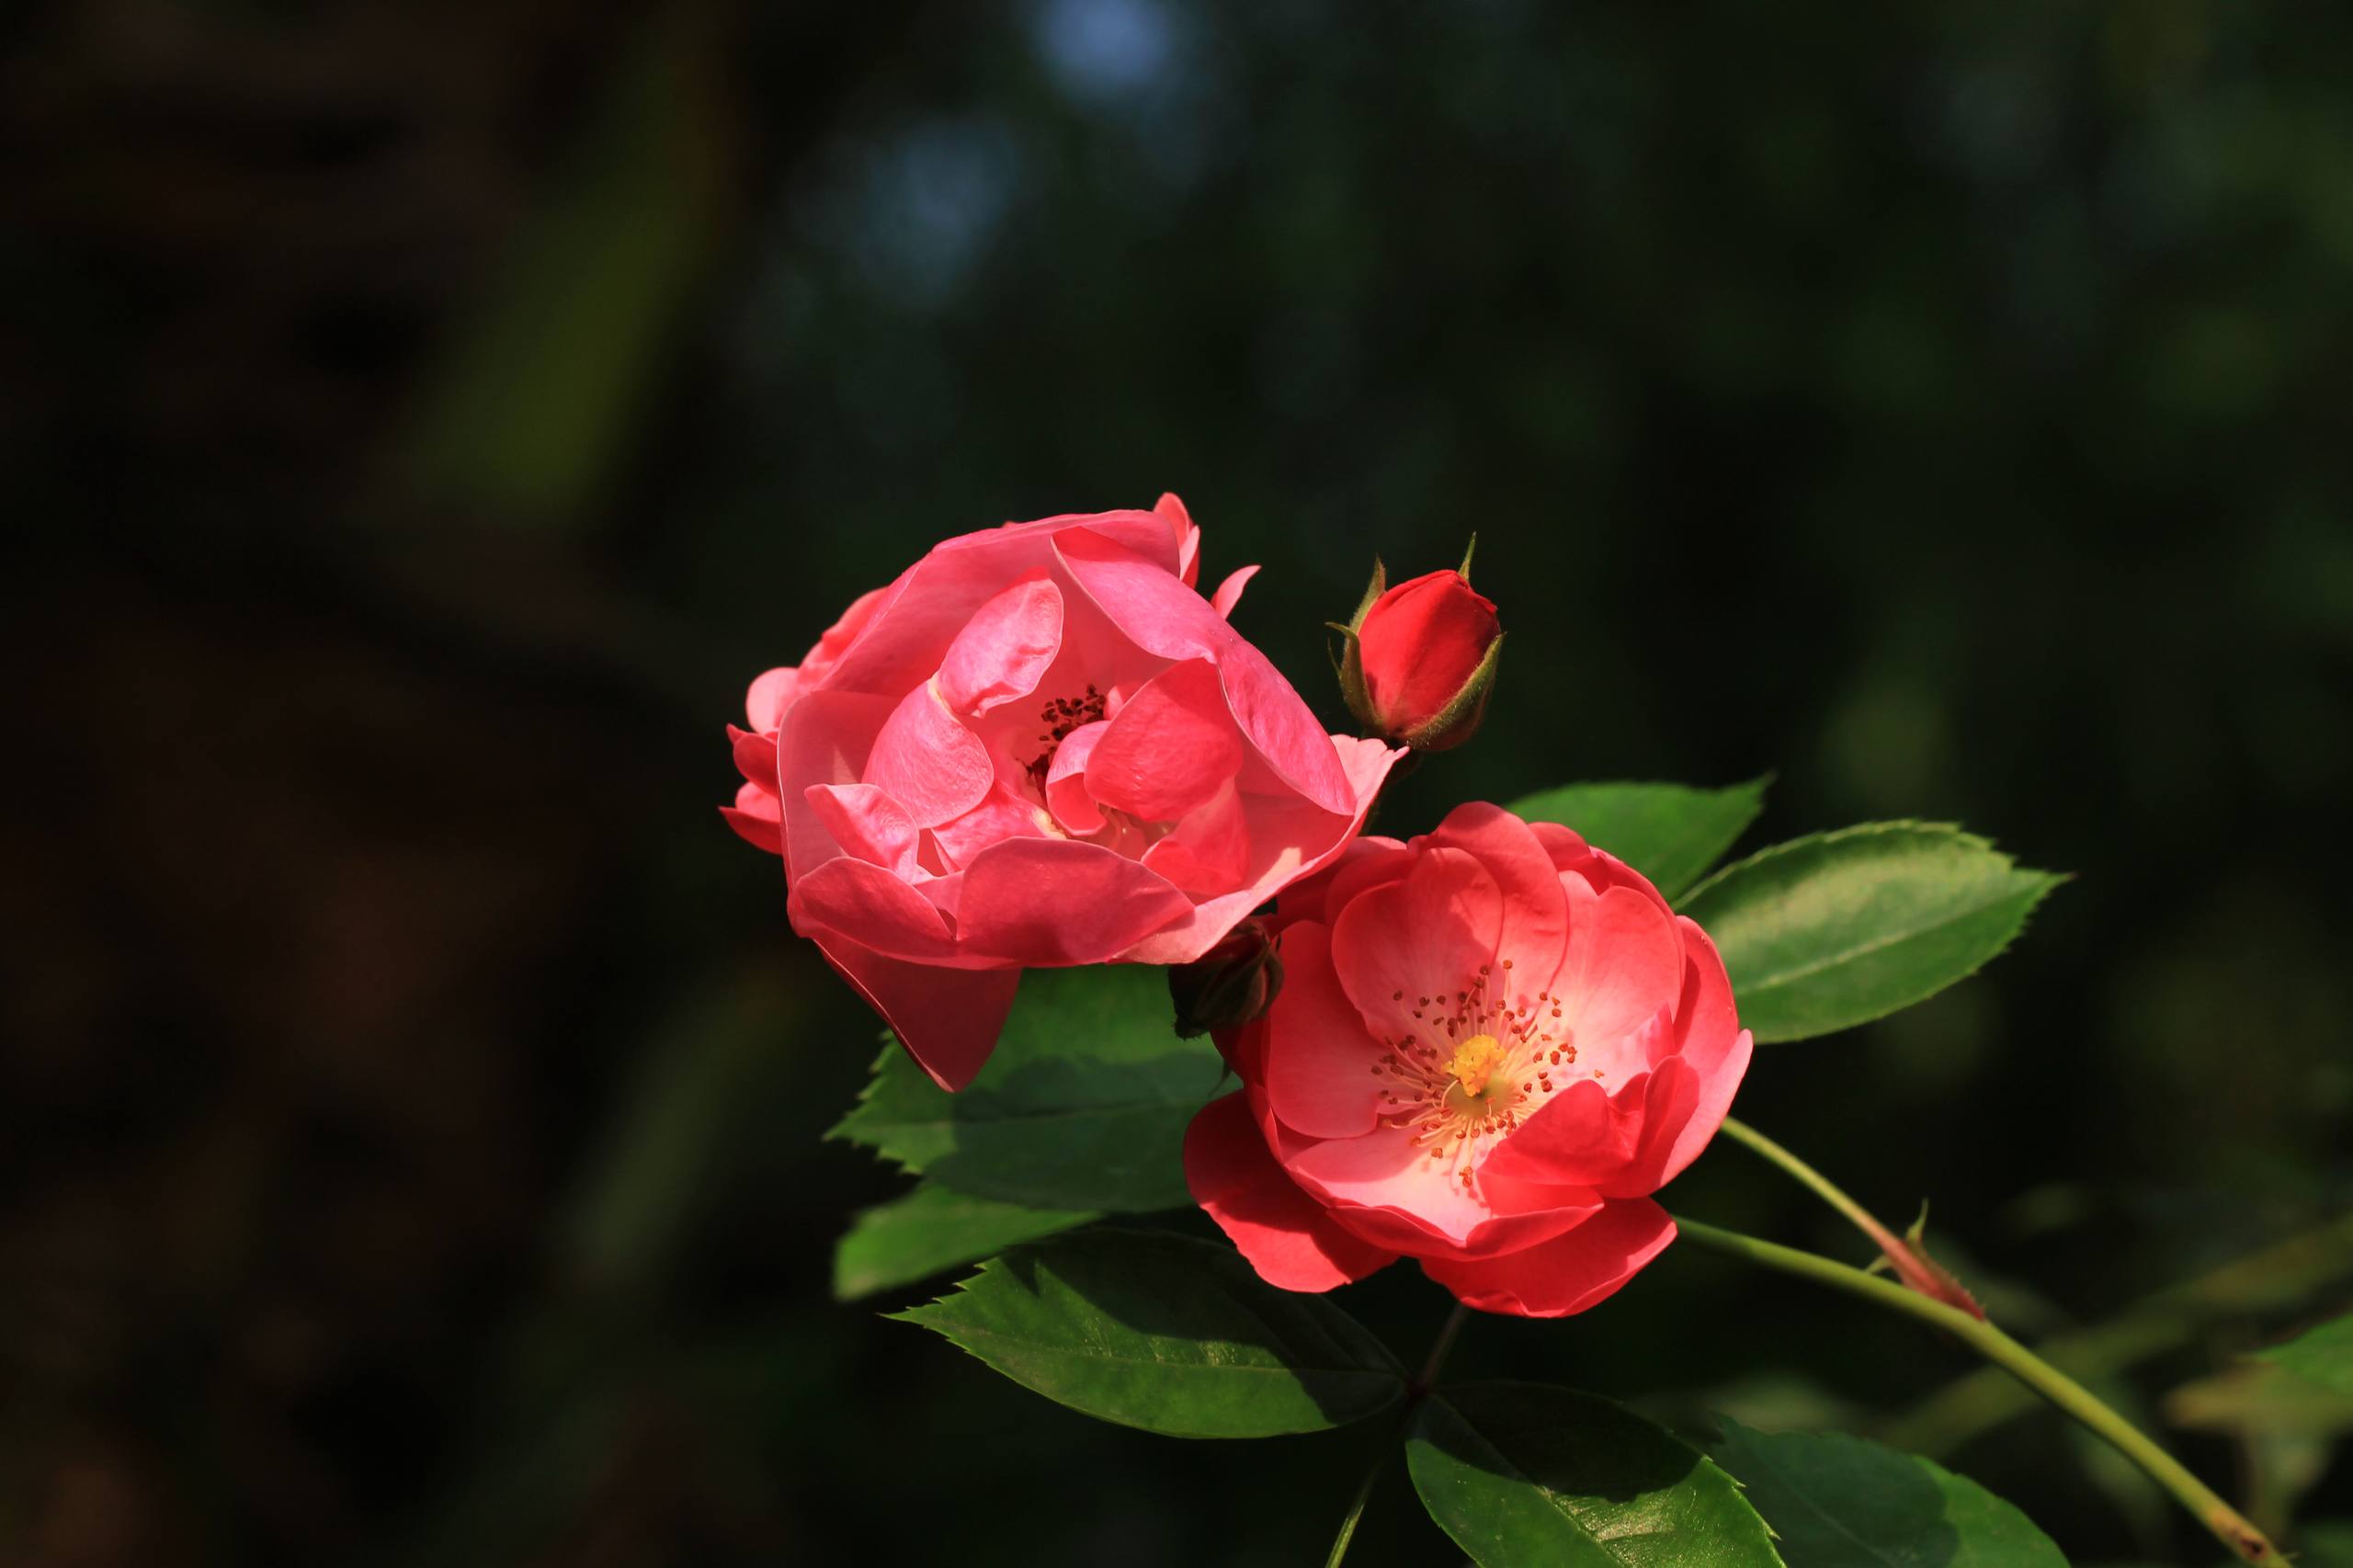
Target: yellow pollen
x,y
1474,1062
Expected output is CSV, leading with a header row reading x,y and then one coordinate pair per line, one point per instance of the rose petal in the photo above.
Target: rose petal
x,y
771,693
933,766
755,757
826,739
1320,1065
1209,850
1188,537
948,1019
1624,963
1160,615
1044,902
1004,649
757,817
1404,949
1001,815
868,823
1575,1270
1289,1238
1535,908
1066,794
863,905
1229,592
1169,748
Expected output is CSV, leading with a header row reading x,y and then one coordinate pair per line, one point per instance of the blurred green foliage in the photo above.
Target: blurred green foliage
x,y
421,428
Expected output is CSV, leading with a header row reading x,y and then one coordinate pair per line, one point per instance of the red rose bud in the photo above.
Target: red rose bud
x,y
1229,985
1421,658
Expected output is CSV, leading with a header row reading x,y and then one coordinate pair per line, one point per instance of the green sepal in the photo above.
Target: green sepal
x,y
1459,720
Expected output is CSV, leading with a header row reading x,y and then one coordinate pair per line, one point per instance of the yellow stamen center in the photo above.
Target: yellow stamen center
x,y
1474,1062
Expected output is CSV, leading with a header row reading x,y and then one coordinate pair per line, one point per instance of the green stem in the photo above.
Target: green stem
x,y
2281,1275
2227,1523
1821,1186
1907,1258
1415,1392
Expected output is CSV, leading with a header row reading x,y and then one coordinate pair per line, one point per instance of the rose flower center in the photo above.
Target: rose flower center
x,y
1492,1067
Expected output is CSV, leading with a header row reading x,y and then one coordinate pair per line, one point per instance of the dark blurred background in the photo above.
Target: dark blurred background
x,y
420,421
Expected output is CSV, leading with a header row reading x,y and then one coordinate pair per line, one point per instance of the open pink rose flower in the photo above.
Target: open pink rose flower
x,y
1492,1045
1039,746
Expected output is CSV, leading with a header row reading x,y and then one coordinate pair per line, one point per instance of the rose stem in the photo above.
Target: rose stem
x,y
1813,1180
2280,1275
2227,1524
1415,1392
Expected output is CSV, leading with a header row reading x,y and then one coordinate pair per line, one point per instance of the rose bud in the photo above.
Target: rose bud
x,y
1420,659
1040,747
1494,1043
1229,985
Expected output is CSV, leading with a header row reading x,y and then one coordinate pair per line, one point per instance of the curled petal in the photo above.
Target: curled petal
x,y
931,764
1004,651
1209,850
1001,815
865,906
757,818
1066,792
1163,617
1169,748
1044,902
867,823
1229,592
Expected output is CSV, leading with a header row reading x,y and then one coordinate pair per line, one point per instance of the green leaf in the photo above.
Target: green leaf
x,y
2324,1355
1670,833
1842,1502
1522,1474
1083,1106
1168,1333
1836,929
931,1230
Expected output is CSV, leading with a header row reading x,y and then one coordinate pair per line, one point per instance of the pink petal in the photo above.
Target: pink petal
x,y
826,738
1583,1136
1209,850
1708,1036
1004,649
1567,849
933,766
948,1018
770,695
1066,793
1045,902
860,904
1535,908
1320,1064
1188,537
1575,1270
1287,1235
1289,838
1001,815
1410,945
755,757
867,823
1624,963
1169,748
1385,1170
1160,615
1305,898
756,817
1229,592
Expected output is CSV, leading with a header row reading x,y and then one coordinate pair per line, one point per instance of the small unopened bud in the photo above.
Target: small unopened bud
x,y
1419,659
1229,985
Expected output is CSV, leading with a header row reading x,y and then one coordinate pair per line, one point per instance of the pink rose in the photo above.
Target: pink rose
x,y
1492,1045
1039,746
